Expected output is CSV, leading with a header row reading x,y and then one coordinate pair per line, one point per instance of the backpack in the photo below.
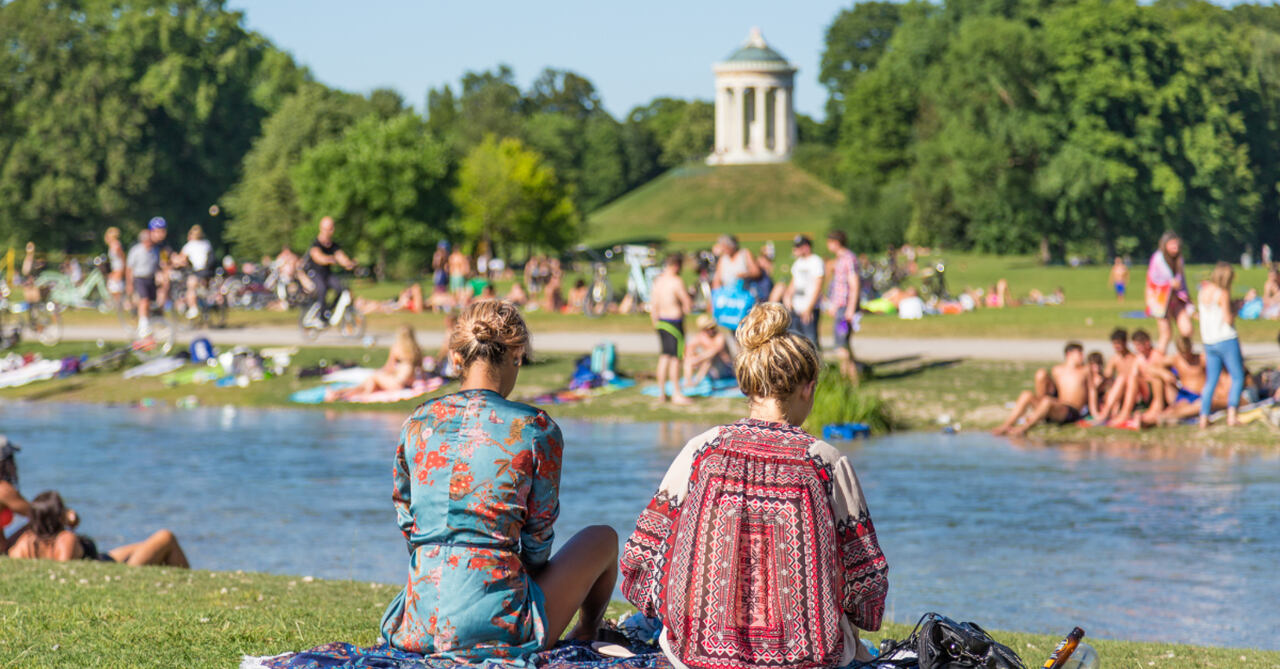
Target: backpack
x,y
938,642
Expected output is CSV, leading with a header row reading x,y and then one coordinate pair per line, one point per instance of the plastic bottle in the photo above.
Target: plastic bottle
x,y
1085,657
1063,652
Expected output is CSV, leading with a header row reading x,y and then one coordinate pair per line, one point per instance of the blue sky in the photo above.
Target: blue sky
x,y
632,51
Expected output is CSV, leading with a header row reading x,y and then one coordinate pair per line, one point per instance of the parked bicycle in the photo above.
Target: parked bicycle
x,y
42,319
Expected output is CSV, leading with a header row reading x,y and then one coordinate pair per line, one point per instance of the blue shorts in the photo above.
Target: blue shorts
x,y
1120,289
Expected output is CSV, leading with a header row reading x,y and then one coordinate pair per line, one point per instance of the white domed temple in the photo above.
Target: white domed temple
x,y
755,115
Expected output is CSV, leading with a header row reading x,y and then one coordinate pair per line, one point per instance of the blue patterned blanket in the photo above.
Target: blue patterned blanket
x,y
568,655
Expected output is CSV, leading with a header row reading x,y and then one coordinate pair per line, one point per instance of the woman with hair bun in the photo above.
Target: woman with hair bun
x,y
758,549
477,482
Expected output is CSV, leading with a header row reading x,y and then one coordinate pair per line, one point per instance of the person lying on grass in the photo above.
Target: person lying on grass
x,y
758,513
1061,395
403,367
476,493
49,537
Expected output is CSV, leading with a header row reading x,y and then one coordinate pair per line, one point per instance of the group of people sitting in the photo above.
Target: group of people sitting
x,y
50,529
476,494
1138,387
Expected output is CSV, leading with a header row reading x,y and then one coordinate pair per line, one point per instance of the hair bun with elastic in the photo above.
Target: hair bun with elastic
x,y
763,324
484,332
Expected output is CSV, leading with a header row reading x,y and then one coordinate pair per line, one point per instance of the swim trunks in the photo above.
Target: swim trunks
x,y
844,329
1186,397
1073,415
671,336
1120,289
457,282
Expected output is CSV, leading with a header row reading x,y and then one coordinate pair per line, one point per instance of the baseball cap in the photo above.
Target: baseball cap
x,y
156,223
704,321
801,240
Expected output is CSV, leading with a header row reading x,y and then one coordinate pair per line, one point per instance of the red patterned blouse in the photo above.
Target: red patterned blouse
x,y
757,551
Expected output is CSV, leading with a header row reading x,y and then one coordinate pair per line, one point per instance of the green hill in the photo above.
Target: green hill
x,y
694,203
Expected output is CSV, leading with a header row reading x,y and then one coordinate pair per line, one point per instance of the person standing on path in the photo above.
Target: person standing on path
x,y
459,271
801,298
141,267
1221,344
1167,298
115,266
844,297
669,302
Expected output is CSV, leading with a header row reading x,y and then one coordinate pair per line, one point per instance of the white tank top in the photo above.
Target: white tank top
x,y
1213,322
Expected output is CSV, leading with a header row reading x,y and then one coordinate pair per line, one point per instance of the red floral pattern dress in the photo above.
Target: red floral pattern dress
x,y
477,486
757,551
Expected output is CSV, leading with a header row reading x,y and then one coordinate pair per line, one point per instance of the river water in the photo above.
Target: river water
x,y
1129,542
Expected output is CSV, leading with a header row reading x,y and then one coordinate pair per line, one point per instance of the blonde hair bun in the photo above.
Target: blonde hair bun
x,y
774,361
487,330
762,325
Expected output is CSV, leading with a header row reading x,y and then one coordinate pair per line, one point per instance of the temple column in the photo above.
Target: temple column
x,y
737,142
719,144
758,123
782,121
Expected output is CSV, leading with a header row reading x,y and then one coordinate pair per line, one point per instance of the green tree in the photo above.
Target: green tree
x,y
692,136
114,113
490,104
855,41
263,206
385,181
507,194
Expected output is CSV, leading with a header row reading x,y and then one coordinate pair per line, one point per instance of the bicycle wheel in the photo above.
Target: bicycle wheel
x,y
159,343
352,324
309,319
45,320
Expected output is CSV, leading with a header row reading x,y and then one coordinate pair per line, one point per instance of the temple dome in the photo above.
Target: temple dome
x,y
755,54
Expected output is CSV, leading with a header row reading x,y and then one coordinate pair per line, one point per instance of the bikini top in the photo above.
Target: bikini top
x,y
6,517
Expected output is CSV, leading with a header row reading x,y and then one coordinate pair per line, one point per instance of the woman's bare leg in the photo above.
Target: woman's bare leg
x,y
160,548
579,578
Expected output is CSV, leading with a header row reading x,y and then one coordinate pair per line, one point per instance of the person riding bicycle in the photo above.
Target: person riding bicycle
x,y
320,259
197,254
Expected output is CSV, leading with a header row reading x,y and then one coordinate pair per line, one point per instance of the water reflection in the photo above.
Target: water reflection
x,y
1127,540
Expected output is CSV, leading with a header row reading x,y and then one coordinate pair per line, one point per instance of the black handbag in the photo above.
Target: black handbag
x,y
938,642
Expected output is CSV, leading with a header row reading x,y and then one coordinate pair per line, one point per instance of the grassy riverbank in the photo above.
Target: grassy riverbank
x,y
919,393
84,614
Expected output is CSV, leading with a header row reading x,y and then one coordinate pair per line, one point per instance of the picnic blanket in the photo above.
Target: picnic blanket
x,y
36,370
572,395
317,394
157,367
706,388
568,655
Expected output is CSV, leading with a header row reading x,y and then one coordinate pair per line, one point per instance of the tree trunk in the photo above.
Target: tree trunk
x,y
1045,256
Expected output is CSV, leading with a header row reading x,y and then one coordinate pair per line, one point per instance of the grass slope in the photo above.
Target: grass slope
x,y
697,202
86,614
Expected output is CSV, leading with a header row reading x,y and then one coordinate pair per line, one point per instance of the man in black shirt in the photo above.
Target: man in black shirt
x,y
321,257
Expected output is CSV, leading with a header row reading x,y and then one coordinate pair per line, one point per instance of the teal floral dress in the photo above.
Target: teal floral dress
x,y
477,483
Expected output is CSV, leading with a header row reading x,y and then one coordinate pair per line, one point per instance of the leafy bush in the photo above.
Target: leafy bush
x,y
839,401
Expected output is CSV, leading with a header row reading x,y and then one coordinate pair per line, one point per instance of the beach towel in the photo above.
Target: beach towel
x,y
36,370
349,375
317,394
157,367
419,387
706,388
568,655
572,395
1240,412
1162,285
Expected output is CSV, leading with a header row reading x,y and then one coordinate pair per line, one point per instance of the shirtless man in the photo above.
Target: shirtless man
x,y
669,302
1061,395
1119,277
1187,381
1121,366
1137,385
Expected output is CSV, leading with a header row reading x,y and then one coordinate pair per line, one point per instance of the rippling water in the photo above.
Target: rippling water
x,y
1128,542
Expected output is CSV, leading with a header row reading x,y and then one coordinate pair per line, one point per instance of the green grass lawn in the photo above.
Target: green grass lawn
x,y
692,204
88,614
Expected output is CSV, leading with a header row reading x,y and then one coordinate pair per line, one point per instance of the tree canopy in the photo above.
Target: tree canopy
x,y
1006,125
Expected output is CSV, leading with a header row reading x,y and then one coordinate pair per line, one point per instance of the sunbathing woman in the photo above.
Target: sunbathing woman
x,y
758,549
403,367
50,538
477,485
